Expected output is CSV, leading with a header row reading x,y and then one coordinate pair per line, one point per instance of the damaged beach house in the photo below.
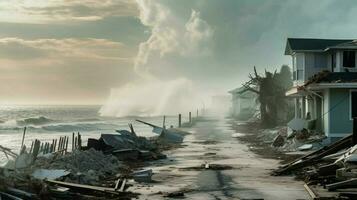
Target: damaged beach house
x,y
325,85
244,103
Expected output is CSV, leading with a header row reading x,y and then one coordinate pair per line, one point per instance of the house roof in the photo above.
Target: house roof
x,y
346,45
338,77
326,79
310,44
238,90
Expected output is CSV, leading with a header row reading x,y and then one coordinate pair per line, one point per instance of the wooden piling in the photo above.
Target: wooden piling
x,y
47,147
164,122
32,143
79,141
189,117
55,145
59,144
67,144
73,141
36,148
179,120
354,133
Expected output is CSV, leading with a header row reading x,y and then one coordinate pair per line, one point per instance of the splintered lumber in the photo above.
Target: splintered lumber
x,y
122,188
83,187
21,193
351,183
313,157
8,151
4,195
152,125
311,192
348,195
23,138
132,129
117,184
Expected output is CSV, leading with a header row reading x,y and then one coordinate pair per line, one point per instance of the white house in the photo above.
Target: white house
x,y
325,83
243,103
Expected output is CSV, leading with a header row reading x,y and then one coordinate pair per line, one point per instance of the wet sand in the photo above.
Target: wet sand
x,y
211,141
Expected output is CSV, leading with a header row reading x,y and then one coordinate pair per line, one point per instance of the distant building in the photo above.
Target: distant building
x,y
325,83
220,104
243,103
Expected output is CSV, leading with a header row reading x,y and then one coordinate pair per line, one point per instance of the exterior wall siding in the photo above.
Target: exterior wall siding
x,y
315,65
325,117
339,115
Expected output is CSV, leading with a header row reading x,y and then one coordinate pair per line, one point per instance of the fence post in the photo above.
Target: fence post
x,y
179,121
189,117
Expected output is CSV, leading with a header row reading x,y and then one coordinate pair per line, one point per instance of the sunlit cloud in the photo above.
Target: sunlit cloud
x,y
91,48
64,11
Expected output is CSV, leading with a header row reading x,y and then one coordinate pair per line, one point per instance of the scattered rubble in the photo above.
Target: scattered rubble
x,y
207,166
86,167
329,172
96,171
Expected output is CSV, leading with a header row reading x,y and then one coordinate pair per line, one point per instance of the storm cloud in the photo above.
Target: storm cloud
x,y
90,47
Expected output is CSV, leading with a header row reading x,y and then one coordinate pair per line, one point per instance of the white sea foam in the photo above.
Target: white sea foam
x,y
152,98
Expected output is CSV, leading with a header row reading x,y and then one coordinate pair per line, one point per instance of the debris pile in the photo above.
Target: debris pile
x,y
330,172
86,167
287,140
49,170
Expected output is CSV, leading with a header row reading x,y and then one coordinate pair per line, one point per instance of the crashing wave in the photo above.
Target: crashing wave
x,y
34,121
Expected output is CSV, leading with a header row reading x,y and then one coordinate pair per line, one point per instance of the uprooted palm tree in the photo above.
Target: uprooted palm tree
x,y
271,90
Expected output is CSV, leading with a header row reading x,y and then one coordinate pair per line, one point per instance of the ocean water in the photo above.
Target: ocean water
x,y
50,122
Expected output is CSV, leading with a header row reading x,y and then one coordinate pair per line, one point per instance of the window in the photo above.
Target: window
x,y
353,104
349,59
320,60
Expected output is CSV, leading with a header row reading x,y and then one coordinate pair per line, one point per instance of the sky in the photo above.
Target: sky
x,y
84,51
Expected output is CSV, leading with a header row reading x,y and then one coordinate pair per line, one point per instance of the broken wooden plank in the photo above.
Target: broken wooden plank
x,y
81,186
4,195
352,183
311,192
20,193
122,187
117,184
8,151
315,156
